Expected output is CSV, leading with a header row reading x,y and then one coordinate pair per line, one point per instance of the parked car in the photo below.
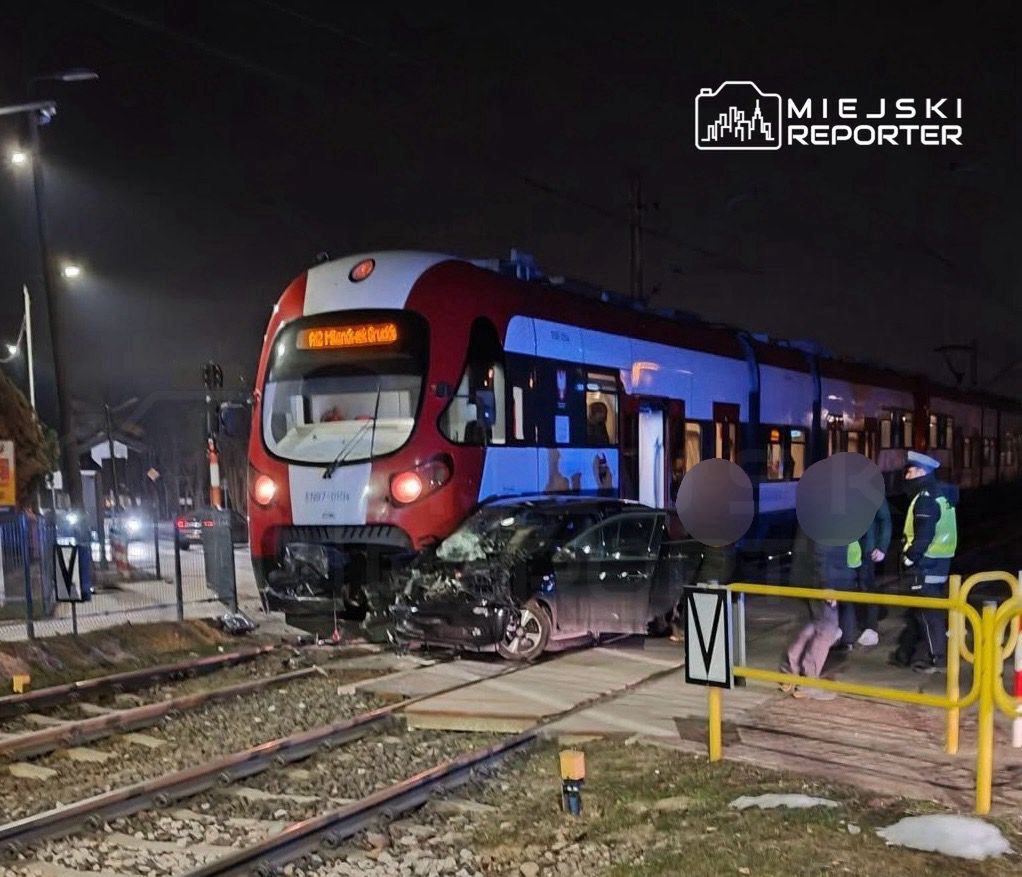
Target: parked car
x,y
521,572
188,527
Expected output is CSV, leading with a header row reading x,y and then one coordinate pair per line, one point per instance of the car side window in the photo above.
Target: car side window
x,y
638,537
593,542
627,536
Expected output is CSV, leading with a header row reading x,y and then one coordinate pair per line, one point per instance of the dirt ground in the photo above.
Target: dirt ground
x,y
652,811
66,658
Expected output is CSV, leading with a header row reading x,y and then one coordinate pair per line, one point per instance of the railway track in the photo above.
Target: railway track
x,y
137,827
43,767
255,810
118,683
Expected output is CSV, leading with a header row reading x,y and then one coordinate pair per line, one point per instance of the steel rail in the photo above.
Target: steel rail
x,y
329,830
92,812
13,704
76,732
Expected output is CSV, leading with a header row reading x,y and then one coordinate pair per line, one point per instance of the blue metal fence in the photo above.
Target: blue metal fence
x,y
140,588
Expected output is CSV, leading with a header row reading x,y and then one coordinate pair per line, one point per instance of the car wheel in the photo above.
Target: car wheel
x,y
530,637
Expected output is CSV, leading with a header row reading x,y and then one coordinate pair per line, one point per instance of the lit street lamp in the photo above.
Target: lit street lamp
x,y
18,157
12,350
71,271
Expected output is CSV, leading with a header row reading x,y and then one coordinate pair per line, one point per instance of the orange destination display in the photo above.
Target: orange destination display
x,y
334,337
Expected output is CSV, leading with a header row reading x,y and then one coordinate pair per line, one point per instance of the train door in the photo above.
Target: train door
x,y
652,454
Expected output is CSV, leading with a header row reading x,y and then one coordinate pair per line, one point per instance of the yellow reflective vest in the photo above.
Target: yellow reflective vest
x,y
945,537
854,555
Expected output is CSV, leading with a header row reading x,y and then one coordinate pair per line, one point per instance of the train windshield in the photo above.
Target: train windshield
x,y
344,387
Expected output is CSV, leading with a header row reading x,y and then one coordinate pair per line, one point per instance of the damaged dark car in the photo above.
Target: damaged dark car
x,y
519,574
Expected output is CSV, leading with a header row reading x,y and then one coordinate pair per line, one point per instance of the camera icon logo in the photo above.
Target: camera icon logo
x,y
737,115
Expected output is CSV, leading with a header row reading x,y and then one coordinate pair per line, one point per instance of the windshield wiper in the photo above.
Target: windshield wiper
x,y
328,472
343,452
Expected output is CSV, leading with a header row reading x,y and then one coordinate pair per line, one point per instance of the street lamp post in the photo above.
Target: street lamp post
x,y
70,464
25,332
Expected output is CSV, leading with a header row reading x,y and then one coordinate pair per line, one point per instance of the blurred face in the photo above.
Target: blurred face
x,y
913,472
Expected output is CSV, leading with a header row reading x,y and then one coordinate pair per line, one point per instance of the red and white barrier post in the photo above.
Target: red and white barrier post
x,y
1016,725
215,491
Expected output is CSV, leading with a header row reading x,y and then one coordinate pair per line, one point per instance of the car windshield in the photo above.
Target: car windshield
x,y
344,387
495,531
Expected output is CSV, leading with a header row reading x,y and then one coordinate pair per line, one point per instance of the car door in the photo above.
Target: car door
x,y
676,565
603,577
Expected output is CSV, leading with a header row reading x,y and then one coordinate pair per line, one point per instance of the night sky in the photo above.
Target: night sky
x,y
228,143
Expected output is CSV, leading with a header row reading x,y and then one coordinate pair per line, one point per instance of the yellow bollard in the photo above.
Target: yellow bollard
x,y
985,650
956,630
715,718
20,683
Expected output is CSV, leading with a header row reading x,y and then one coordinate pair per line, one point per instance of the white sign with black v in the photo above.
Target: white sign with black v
x,y
708,637
67,571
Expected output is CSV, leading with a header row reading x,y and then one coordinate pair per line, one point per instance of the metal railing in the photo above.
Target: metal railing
x,y
992,643
148,579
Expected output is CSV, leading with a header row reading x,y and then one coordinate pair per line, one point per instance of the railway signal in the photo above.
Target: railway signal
x,y
213,378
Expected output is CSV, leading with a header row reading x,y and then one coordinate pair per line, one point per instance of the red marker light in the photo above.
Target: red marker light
x,y
362,270
264,489
406,487
180,522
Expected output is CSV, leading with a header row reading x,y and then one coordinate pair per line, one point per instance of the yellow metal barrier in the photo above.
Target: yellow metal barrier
x,y
959,611
983,578
1004,701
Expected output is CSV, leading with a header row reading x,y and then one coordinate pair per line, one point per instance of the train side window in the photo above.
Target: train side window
x,y
797,453
967,461
601,409
693,444
837,439
774,455
885,433
906,435
725,424
477,413
934,432
949,432
988,452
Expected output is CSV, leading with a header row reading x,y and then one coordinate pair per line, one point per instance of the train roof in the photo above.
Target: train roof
x,y
785,353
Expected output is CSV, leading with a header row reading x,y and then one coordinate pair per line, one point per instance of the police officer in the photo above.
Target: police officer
x,y
931,537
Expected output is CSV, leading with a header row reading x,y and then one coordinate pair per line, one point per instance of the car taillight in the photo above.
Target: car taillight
x,y
180,523
413,484
207,523
264,489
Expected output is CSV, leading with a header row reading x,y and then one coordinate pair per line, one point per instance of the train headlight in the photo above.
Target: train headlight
x,y
414,484
264,489
406,487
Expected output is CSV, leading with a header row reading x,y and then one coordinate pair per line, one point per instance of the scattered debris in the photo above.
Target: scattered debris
x,y
964,837
237,623
771,800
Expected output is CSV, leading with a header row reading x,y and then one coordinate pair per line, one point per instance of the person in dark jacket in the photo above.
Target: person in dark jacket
x,y
716,566
814,566
931,537
864,617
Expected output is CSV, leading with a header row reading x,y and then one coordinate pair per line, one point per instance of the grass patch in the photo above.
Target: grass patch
x,y
651,812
